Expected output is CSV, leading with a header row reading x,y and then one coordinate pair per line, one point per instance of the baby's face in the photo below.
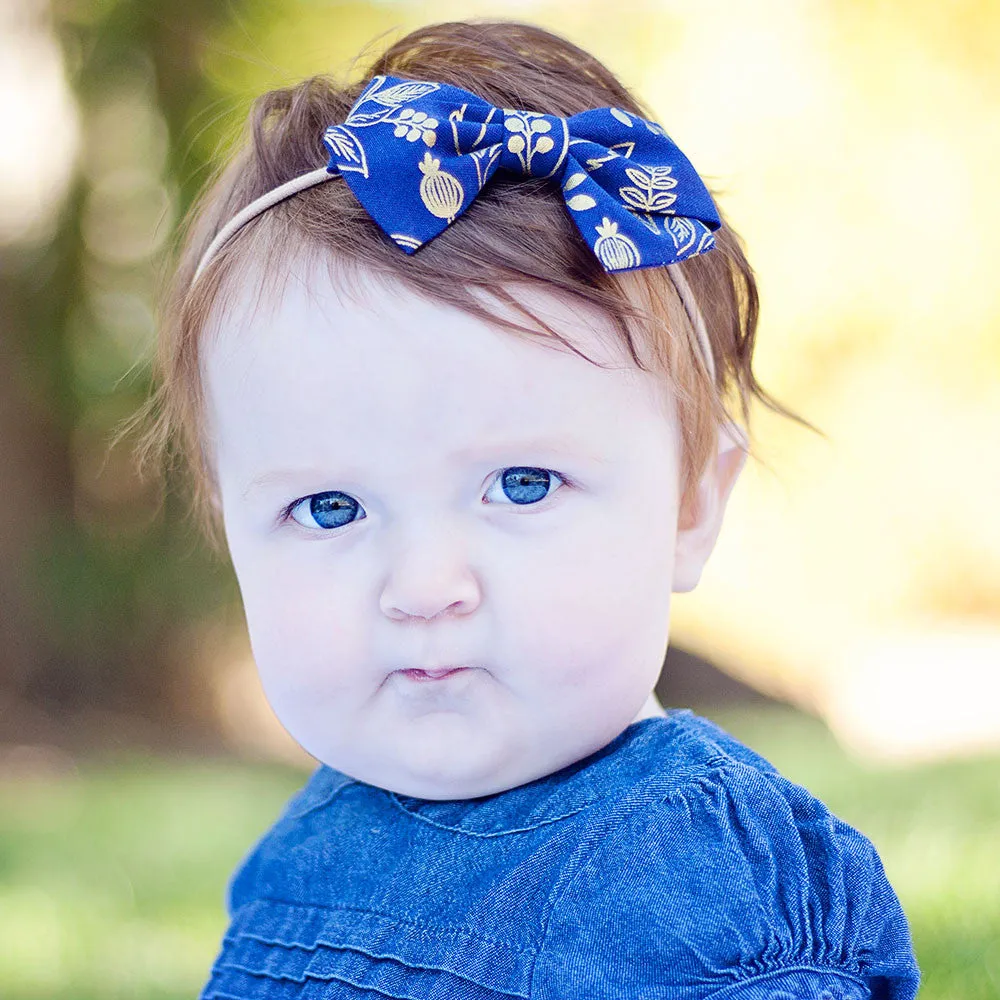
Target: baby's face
x,y
405,486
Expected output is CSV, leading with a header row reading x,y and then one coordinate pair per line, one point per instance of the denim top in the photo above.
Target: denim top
x,y
672,864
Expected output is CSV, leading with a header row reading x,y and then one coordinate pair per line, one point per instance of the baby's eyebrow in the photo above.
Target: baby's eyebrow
x,y
280,476
564,447
474,453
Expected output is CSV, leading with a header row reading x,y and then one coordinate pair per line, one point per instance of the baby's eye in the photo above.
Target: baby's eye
x,y
524,484
521,484
332,509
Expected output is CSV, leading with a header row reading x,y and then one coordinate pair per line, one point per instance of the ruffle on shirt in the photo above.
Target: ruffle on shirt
x,y
734,885
280,951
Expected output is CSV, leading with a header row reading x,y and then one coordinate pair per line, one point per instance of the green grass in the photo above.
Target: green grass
x,y
112,878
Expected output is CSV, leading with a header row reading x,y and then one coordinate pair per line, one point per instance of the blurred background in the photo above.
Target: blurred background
x,y
848,625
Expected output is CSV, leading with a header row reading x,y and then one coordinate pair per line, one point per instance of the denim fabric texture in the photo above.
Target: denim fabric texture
x,y
672,864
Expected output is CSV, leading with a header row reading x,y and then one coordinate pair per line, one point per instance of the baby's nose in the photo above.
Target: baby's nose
x,y
429,576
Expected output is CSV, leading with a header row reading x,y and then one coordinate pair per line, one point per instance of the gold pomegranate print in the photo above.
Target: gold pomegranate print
x,y
527,135
652,191
614,249
440,191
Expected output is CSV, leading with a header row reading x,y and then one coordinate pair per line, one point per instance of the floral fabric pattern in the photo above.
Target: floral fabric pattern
x,y
416,153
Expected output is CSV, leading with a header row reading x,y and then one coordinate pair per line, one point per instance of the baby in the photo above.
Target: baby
x,y
452,354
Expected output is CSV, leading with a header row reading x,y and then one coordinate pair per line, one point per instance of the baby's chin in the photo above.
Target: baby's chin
x,y
439,756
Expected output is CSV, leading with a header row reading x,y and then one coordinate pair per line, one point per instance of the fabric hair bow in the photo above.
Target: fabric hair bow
x,y
416,153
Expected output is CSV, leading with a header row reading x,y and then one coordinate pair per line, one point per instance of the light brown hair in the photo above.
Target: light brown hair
x,y
517,230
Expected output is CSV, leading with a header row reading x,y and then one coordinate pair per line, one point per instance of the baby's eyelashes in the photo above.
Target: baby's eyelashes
x,y
520,485
331,509
523,484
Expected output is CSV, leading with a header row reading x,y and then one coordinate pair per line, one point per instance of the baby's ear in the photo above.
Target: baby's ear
x,y
700,520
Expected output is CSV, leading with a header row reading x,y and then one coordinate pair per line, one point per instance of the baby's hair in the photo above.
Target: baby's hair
x,y
516,231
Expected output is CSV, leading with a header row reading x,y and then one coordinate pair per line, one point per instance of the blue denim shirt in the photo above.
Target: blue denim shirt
x,y
672,864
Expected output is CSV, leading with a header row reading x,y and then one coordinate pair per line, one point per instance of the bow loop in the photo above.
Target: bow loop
x,y
416,153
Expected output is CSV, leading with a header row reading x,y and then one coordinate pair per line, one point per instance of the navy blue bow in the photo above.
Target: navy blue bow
x,y
417,153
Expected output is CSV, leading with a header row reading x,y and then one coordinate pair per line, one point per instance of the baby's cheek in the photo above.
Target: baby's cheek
x,y
310,638
567,629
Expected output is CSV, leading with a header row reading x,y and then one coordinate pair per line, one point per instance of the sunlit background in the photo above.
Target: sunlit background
x,y
848,625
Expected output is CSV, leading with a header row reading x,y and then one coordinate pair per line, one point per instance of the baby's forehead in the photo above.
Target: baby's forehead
x,y
381,368
312,293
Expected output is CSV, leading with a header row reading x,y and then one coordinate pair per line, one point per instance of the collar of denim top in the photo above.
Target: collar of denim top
x,y
622,764
674,844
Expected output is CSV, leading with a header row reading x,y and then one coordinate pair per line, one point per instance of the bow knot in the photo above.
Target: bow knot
x,y
417,153
534,144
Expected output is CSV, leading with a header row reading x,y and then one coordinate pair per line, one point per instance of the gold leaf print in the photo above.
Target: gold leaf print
x,y
615,250
580,202
527,135
403,93
440,191
682,232
346,148
655,178
644,201
621,116
373,85
361,118
391,99
652,193
415,125
578,178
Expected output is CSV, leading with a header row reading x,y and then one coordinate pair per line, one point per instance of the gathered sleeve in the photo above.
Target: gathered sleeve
x,y
735,885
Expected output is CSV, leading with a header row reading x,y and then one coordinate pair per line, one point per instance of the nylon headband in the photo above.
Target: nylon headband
x,y
314,177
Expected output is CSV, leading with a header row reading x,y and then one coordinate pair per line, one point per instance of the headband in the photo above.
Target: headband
x,y
416,154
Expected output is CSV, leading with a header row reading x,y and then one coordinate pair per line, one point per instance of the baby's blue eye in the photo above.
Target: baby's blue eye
x,y
325,510
522,484
525,484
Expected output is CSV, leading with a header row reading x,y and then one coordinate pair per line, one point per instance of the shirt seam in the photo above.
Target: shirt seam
x,y
412,924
